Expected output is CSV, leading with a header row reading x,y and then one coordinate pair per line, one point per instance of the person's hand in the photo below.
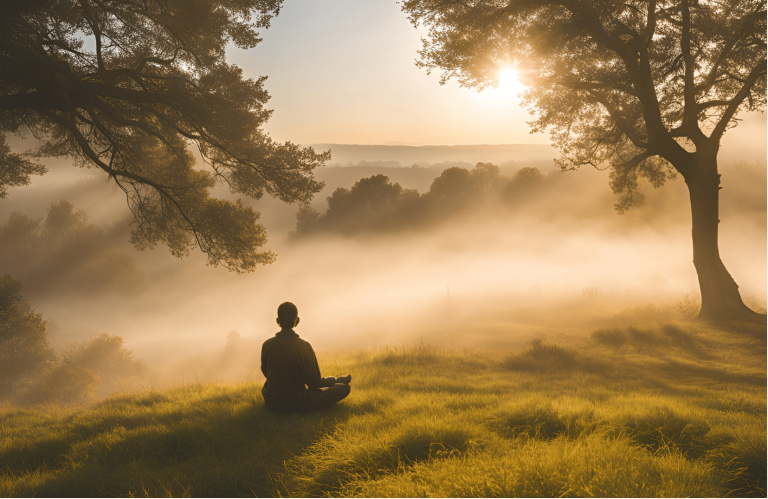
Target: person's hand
x,y
344,379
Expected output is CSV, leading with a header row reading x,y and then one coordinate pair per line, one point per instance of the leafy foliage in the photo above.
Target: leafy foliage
x,y
15,169
155,83
24,348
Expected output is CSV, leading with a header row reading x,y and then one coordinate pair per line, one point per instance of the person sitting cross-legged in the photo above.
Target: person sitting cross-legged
x,y
293,376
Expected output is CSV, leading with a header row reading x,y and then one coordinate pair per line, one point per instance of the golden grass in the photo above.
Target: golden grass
x,y
666,410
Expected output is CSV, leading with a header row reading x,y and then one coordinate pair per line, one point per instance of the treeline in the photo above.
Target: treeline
x,y
375,204
32,372
65,252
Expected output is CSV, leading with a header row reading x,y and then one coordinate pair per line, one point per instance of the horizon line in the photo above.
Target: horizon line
x,y
424,145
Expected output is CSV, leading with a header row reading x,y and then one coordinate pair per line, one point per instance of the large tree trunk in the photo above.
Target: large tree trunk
x,y
720,298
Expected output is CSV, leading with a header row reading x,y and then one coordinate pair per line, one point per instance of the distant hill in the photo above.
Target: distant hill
x,y
409,155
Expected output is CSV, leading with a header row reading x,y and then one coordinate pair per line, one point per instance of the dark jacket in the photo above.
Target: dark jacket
x,y
290,366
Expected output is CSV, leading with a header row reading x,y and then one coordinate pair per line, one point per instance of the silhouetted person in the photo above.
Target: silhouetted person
x,y
293,377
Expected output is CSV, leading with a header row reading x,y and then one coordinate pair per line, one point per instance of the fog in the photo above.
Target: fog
x,y
551,263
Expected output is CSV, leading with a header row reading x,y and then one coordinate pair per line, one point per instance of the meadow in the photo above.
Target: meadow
x,y
666,409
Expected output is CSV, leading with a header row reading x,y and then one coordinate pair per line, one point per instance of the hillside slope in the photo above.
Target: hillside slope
x,y
673,409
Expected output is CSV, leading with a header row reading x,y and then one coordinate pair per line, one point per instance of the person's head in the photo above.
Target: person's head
x,y
287,315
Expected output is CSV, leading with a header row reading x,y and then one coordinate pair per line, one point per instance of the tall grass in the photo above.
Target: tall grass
x,y
668,410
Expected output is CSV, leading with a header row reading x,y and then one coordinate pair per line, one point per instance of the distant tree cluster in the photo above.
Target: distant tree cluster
x,y
31,371
376,204
65,251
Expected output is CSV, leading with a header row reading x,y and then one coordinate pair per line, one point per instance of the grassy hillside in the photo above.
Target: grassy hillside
x,y
669,410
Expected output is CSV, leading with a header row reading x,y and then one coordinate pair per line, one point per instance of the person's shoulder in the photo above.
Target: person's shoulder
x,y
269,341
293,338
304,342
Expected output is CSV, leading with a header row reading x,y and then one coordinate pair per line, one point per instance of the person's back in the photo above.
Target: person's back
x,y
290,366
289,363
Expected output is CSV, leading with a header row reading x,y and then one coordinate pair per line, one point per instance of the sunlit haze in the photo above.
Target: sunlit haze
x,y
493,271
343,72
311,248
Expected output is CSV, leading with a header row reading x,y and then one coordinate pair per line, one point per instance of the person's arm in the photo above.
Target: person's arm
x,y
263,369
312,371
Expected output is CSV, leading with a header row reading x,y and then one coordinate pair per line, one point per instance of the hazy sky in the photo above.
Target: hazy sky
x,y
342,71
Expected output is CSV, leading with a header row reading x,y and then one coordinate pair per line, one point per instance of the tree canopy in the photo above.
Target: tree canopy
x,y
131,87
636,85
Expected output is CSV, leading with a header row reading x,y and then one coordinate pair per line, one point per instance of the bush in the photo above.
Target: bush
x,y
106,357
65,384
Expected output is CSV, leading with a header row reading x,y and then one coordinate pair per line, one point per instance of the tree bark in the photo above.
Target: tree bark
x,y
720,297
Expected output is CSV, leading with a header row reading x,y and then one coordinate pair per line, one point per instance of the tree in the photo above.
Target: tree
x,y
66,251
24,349
129,86
647,88
456,189
373,203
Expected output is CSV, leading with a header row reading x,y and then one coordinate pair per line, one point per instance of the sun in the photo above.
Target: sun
x,y
507,76
509,82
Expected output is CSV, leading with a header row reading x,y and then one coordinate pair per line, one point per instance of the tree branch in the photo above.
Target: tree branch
x,y
650,24
160,189
759,71
689,86
619,120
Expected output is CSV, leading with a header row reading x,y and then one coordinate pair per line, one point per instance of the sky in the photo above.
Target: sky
x,y
343,71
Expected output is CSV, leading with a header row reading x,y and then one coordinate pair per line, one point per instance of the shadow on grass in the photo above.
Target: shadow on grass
x,y
537,421
655,339
216,445
330,465
542,357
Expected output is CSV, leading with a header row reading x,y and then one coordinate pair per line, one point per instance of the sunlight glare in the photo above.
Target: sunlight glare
x,y
508,84
507,77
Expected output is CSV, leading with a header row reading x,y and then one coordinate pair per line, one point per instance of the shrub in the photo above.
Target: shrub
x,y
65,384
688,306
105,356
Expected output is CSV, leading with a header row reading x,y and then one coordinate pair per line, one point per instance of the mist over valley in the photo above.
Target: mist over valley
x,y
486,265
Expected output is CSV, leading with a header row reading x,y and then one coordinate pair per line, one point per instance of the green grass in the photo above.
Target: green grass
x,y
666,410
